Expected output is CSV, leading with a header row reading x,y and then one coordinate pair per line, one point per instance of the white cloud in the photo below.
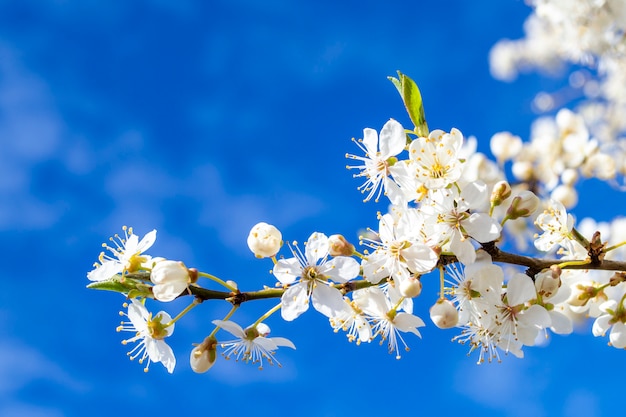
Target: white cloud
x,y
21,364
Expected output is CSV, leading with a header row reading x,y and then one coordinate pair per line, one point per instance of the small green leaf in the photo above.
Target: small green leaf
x,y
124,286
108,285
412,99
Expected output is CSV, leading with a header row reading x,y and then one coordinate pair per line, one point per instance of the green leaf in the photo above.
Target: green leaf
x,y
412,99
124,286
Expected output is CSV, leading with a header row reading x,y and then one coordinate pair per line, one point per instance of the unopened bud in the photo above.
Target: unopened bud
x,y
203,356
501,191
170,279
444,314
264,240
339,246
411,287
523,205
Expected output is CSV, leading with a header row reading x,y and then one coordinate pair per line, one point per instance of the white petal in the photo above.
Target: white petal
x,y
231,327
316,248
169,291
462,248
408,323
147,241
138,315
327,300
618,335
372,301
281,341
370,140
105,271
159,351
392,139
476,195
373,267
287,270
420,258
520,289
295,301
536,316
341,268
561,324
482,227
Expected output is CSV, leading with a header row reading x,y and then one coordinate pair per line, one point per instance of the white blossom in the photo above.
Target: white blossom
x,y
307,277
149,333
126,255
252,344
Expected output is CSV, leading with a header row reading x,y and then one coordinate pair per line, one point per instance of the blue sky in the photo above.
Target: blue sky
x,y
200,119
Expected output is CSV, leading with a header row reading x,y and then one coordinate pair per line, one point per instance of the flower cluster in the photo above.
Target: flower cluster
x,y
587,142
451,216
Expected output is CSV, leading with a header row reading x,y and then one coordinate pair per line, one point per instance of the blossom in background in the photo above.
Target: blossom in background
x,y
252,344
380,155
307,276
149,334
127,255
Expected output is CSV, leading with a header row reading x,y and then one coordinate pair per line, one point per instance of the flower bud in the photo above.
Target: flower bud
x,y
501,191
411,287
523,205
339,246
444,314
264,240
548,281
203,356
170,279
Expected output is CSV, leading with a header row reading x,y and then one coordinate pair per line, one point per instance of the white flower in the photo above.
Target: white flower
x,y
351,320
387,322
126,255
556,224
170,279
435,158
251,344
149,334
307,276
398,253
264,240
516,324
453,218
379,156
613,317
477,290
